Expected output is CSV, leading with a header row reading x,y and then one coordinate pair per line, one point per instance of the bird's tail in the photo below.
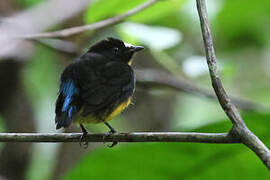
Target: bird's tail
x,y
65,112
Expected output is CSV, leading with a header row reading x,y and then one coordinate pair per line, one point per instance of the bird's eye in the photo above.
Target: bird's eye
x,y
116,50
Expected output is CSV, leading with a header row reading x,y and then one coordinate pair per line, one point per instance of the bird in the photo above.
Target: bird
x,y
97,86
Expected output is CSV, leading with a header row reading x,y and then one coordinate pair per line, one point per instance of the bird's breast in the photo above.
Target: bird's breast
x,y
92,118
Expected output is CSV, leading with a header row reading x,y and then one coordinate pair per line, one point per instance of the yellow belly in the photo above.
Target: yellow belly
x,y
130,62
119,109
92,119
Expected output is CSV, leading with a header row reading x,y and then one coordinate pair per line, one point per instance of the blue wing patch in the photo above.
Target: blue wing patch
x,y
69,89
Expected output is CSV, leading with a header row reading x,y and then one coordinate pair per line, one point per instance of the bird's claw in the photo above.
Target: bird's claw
x,y
83,144
114,143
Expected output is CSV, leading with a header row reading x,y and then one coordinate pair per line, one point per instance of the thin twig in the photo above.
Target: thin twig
x,y
76,30
222,138
239,127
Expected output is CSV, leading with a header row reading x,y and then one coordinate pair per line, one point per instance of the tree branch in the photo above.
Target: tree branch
x,y
98,25
155,78
239,127
221,138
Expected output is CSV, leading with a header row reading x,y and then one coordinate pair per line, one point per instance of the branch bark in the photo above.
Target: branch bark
x,y
239,127
122,137
76,30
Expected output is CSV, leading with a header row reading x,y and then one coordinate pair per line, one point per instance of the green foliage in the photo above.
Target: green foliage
x,y
178,160
102,9
239,24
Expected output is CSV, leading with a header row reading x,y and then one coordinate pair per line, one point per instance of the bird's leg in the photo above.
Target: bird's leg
x,y
112,131
84,131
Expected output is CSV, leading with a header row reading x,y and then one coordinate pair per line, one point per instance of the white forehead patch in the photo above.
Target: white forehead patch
x,y
128,45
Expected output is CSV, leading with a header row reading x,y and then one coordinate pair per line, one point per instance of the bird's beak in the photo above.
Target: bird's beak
x,y
137,48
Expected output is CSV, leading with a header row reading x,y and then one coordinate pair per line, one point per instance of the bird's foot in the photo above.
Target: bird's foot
x,y
114,143
83,143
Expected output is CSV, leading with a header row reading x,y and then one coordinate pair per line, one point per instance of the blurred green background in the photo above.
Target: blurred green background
x,y
170,31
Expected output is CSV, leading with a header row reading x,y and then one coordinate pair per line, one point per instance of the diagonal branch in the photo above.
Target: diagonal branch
x,y
156,78
220,138
76,30
239,127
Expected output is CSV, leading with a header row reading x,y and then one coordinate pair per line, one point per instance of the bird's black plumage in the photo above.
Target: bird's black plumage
x,y
95,84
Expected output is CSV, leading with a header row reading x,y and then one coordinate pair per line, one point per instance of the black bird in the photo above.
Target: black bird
x,y
97,86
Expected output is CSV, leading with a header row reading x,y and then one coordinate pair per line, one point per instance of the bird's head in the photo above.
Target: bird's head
x,y
115,49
